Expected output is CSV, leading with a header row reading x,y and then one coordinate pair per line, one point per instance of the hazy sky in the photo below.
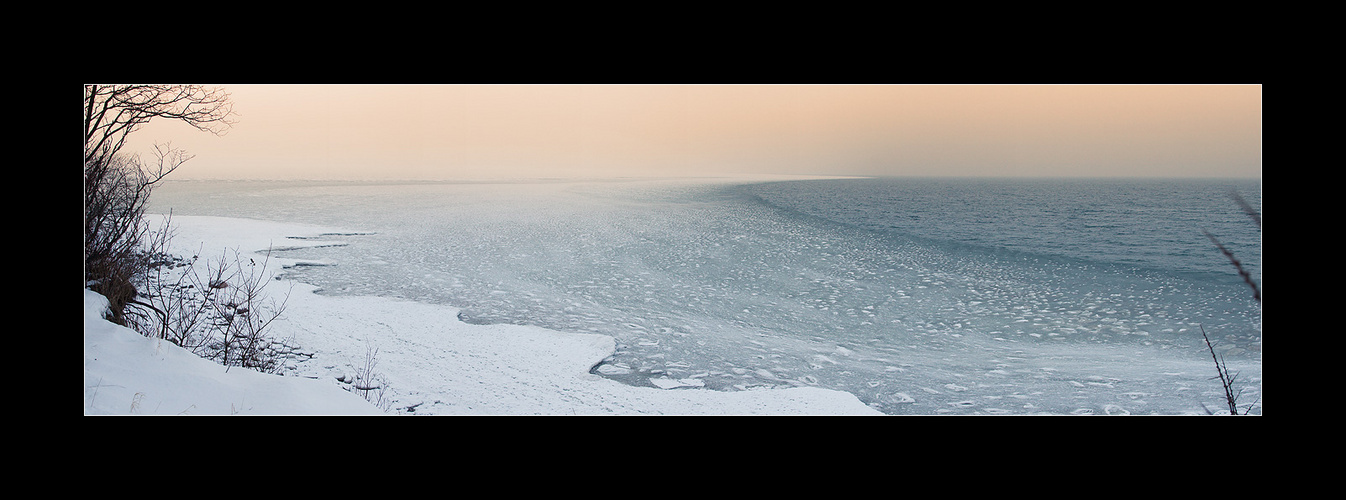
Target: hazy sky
x,y
495,131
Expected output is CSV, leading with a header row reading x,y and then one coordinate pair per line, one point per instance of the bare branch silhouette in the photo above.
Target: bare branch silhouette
x,y
1247,209
1227,379
1238,266
117,186
111,112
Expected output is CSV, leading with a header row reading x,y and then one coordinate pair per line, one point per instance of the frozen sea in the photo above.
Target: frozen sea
x,y
920,296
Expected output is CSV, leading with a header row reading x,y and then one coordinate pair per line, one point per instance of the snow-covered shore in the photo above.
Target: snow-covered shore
x,y
432,362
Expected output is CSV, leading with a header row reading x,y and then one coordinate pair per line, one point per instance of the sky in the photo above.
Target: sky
x,y
294,131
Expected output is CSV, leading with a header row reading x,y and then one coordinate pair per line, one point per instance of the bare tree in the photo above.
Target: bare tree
x,y
117,186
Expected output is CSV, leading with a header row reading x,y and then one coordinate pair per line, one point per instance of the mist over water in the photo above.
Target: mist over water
x,y
920,296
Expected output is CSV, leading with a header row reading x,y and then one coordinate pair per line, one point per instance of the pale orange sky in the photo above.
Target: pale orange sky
x,y
516,131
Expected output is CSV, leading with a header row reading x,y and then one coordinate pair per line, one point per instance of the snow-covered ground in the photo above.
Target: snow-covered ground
x,y
431,363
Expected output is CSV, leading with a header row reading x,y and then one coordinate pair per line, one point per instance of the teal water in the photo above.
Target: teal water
x,y
920,296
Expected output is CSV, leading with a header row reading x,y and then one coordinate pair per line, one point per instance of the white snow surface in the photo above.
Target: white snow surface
x,y
432,363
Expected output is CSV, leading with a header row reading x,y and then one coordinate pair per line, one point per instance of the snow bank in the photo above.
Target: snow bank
x,y
432,362
126,373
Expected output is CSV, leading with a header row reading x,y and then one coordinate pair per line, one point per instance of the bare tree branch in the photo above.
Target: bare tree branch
x,y
1238,266
1247,209
114,111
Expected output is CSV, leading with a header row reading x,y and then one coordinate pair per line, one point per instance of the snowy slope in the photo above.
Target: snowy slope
x,y
126,373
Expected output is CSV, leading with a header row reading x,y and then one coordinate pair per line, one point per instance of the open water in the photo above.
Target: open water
x,y
919,296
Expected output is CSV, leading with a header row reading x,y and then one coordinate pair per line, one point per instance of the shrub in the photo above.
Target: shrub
x,y
218,309
371,384
116,190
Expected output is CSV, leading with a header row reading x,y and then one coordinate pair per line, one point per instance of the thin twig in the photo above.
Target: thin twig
x,y
1222,372
1247,278
1247,209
